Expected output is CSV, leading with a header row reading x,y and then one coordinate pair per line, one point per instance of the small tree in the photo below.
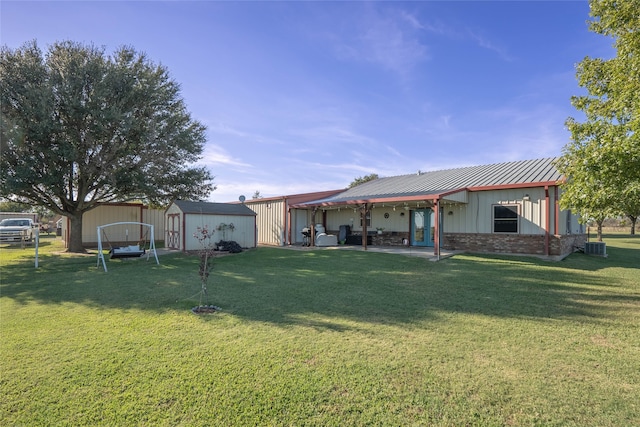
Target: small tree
x,y
207,247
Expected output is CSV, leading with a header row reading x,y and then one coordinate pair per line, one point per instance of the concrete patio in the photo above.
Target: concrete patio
x,y
422,252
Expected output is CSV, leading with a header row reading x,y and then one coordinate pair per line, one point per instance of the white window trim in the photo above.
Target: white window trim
x,y
493,219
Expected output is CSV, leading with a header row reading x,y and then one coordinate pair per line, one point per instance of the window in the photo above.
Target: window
x,y
505,218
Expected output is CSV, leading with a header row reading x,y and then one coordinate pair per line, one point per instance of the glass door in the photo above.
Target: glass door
x,y
421,227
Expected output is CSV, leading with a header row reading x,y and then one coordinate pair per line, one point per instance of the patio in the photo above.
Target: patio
x,y
423,252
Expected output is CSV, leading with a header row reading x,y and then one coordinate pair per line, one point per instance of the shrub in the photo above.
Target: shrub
x,y
230,246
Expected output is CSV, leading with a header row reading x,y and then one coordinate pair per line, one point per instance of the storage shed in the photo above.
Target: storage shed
x,y
229,221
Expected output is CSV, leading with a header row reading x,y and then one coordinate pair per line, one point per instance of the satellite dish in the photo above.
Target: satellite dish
x,y
242,199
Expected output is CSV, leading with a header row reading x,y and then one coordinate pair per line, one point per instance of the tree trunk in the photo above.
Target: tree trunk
x,y
633,224
599,233
75,234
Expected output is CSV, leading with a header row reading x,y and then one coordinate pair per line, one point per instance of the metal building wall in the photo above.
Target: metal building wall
x,y
155,217
120,212
107,214
271,220
476,215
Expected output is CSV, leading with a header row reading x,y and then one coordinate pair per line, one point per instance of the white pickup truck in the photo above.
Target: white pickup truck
x,y
17,230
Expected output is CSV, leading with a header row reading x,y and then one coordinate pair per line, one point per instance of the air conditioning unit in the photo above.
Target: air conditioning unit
x,y
595,248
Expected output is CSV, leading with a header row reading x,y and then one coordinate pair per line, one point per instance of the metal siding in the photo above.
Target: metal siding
x,y
270,221
532,212
156,218
454,223
108,214
346,216
461,197
479,220
395,222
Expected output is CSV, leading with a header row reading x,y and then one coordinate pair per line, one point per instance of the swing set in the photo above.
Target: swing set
x,y
127,251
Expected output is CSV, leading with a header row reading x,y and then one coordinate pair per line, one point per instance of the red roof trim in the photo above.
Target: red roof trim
x,y
295,198
511,186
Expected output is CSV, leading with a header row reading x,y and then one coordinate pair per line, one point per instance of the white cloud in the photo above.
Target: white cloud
x,y
389,38
216,155
331,134
486,43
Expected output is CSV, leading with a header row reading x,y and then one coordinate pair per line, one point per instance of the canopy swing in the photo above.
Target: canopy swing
x,y
127,251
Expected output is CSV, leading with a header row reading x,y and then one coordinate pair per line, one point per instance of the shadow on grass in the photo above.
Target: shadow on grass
x,y
329,289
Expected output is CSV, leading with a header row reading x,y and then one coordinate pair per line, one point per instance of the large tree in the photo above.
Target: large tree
x,y
603,159
80,127
362,179
630,204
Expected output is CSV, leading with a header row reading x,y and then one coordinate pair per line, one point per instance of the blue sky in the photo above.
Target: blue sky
x,y
307,96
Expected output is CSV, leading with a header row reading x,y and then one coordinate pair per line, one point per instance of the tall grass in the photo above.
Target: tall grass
x,y
322,337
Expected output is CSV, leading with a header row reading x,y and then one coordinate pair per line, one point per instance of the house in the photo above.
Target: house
x,y
278,224
108,213
508,207
230,221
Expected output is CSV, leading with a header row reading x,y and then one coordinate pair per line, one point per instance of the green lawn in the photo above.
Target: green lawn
x,y
324,338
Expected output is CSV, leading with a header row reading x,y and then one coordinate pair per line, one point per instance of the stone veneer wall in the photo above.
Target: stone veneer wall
x,y
389,238
559,245
513,243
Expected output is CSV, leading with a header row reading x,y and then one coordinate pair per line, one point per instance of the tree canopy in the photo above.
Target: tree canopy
x,y
362,179
80,127
602,161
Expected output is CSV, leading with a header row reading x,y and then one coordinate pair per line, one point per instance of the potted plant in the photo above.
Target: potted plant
x,y
380,229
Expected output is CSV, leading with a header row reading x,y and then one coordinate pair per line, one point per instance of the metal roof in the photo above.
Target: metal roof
x,y
213,208
433,184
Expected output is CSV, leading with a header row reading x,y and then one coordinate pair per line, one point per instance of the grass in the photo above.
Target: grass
x,y
322,337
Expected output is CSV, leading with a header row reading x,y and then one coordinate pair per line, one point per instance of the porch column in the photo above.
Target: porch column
x,y
556,227
436,232
547,222
363,217
313,226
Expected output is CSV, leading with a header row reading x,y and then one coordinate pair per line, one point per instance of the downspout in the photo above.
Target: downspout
x,y
547,220
287,214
